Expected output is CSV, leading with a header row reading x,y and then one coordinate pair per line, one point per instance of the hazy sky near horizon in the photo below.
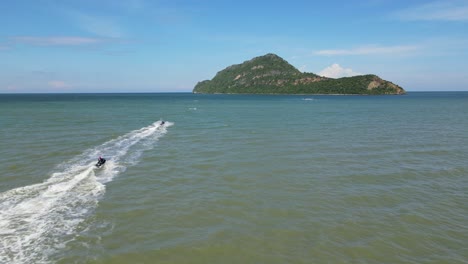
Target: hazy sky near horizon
x,y
168,46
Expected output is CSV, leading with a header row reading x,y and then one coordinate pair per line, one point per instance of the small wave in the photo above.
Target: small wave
x,y
37,221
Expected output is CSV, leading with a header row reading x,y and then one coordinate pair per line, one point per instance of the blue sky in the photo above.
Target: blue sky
x,y
168,46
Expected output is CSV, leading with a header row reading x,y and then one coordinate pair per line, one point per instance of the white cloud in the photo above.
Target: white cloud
x,y
97,25
12,88
336,71
439,10
56,84
132,5
368,50
55,41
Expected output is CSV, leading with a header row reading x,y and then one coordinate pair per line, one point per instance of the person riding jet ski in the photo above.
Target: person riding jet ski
x,y
100,162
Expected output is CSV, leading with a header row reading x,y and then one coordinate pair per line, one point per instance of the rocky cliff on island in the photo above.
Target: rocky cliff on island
x,y
270,74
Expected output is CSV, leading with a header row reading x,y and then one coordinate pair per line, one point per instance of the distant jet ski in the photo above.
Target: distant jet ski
x,y
161,124
100,162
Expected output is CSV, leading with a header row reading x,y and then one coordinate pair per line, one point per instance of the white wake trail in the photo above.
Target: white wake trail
x,y
37,221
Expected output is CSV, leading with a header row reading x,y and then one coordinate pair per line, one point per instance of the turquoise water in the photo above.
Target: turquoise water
x,y
234,178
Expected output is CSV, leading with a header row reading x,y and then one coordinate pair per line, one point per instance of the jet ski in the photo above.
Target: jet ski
x,y
100,162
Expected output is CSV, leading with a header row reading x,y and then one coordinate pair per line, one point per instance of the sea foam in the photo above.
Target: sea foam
x,y
38,220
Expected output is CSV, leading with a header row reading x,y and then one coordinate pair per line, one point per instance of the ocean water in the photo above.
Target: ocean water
x,y
234,178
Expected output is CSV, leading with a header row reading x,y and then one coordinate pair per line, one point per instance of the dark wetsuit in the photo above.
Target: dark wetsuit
x,y
100,162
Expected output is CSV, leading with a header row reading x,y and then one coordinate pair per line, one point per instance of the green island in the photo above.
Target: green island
x,y
270,74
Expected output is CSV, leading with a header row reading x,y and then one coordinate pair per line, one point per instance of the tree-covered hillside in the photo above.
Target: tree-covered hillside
x,y
270,74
